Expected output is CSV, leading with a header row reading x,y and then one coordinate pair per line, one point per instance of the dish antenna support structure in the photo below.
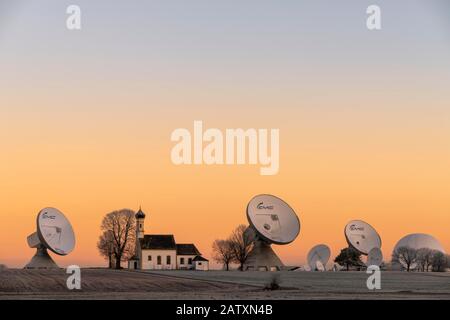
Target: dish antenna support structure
x,y
54,232
272,221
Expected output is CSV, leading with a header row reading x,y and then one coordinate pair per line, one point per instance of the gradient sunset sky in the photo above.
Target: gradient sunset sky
x,y
86,117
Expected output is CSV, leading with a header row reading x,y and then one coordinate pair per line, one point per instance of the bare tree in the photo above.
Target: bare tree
x,y
222,253
424,258
241,245
105,246
439,261
121,225
406,256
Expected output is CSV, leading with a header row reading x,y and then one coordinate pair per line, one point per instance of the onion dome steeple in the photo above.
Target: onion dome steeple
x,y
140,214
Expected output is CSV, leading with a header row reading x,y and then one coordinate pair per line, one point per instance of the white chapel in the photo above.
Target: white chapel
x,y
161,252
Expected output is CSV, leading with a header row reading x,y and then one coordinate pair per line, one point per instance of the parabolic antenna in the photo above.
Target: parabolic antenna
x,y
375,257
54,232
336,267
320,253
419,241
319,266
272,221
362,236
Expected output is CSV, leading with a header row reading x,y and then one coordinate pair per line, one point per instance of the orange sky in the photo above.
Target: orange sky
x,y
328,174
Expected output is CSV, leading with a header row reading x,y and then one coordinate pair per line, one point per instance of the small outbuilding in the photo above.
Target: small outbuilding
x,y
200,263
186,254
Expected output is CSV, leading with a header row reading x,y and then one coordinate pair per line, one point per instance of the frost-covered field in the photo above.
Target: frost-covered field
x,y
335,285
189,285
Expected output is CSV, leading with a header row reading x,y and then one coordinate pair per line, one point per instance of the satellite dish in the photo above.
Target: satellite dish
x,y
272,221
54,232
362,236
336,267
375,257
418,241
319,253
319,266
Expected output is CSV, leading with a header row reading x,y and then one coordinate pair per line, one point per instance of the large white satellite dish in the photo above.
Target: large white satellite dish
x,y
362,236
418,241
54,232
272,221
375,257
320,253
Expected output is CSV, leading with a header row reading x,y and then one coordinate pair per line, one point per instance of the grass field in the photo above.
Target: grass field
x,y
191,285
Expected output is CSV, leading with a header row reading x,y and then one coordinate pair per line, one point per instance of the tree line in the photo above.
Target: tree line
x,y
117,244
233,250
423,259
